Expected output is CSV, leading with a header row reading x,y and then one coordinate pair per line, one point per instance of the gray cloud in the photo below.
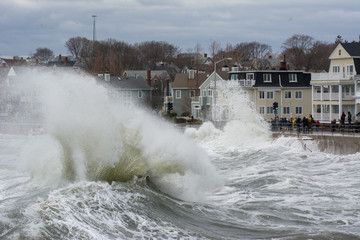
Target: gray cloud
x,y
28,24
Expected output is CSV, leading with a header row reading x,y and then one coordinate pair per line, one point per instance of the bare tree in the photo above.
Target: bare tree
x,y
43,54
296,49
79,47
214,48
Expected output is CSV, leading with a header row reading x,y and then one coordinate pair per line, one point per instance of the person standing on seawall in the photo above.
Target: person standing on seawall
x,y
349,117
342,118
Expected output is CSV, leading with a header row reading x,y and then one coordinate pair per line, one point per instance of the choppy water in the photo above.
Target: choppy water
x,y
113,177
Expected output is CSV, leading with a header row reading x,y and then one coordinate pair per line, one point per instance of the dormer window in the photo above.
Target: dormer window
x,y
339,52
250,76
292,77
267,77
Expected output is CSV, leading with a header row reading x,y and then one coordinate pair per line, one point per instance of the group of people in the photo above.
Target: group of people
x,y
343,116
305,123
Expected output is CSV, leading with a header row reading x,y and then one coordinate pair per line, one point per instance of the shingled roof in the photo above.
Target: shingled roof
x,y
182,80
352,48
126,83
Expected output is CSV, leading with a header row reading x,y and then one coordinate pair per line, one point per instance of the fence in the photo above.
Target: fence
x,y
318,129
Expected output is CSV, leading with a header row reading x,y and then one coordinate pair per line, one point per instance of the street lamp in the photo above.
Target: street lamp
x,y
215,92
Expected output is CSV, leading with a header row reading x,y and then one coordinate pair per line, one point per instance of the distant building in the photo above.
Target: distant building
x,y
127,90
290,88
338,90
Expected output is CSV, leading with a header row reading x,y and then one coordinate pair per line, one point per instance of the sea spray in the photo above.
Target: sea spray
x,y
243,126
96,138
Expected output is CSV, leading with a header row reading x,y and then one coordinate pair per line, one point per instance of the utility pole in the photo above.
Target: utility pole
x,y
94,37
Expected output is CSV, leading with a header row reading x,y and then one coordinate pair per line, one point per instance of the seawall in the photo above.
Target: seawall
x,y
332,143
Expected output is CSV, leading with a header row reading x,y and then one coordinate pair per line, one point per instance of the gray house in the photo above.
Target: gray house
x,y
127,90
185,89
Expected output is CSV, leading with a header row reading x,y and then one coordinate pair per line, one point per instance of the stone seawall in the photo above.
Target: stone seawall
x,y
334,144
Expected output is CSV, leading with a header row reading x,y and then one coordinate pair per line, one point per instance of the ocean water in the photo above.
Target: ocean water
x,y
99,170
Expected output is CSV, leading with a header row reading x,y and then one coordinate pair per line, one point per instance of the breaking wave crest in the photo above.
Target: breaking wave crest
x,y
91,137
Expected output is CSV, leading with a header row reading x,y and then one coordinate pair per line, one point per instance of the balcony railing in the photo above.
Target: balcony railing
x,y
334,97
331,76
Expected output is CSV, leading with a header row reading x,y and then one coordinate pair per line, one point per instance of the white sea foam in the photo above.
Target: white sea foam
x,y
89,136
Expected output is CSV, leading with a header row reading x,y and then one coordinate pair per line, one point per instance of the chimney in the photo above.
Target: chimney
x,y
283,64
107,77
66,60
191,74
59,56
148,77
205,55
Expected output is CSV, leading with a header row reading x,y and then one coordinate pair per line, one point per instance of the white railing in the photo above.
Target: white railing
x,y
334,97
324,117
246,82
330,76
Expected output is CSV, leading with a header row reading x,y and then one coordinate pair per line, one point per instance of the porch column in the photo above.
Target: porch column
x,y
321,92
340,101
331,109
312,101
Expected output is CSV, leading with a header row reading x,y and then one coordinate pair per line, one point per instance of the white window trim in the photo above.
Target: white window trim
x,y
178,94
261,94
248,76
286,95
301,95
267,95
293,79
285,112
348,68
269,110
298,112
265,78
262,110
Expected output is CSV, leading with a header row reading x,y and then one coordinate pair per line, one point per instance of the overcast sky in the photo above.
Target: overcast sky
x,y
26,25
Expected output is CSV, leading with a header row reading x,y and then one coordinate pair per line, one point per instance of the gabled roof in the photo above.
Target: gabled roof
x,y
352,48
11,73
143,73
126,83
182,80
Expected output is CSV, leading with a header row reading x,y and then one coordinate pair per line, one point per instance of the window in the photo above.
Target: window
x,y
262,110
204,93
261,94
286,110
140,94
178,94
210,93
350,70
298,94
339,52
298,110
269,95
336,69
292,77
269,110
250,76
192,93
287,94
267,77
234,77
